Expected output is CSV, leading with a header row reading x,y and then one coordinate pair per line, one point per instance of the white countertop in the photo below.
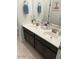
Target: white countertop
x,y
55,40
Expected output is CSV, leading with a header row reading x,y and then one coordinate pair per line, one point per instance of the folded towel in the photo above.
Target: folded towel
x,y
25,9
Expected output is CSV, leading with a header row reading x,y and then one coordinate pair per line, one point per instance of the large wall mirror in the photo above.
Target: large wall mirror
x,y
47,11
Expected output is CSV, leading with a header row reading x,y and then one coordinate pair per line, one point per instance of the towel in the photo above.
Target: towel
x,y
25,9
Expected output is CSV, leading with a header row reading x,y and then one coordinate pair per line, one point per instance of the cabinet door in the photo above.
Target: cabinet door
x,y
39,47
44,51
29,36
25,34
31,40
48,54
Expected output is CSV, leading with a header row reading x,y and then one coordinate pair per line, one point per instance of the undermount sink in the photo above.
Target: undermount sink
x,y
52,33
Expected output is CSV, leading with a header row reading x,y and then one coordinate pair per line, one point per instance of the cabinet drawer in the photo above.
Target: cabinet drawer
x,y
44,51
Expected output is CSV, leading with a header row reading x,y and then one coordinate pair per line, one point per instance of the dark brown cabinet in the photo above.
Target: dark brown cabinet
x,y
29,36
47,50
44,50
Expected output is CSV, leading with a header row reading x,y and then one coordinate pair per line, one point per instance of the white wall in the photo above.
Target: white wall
x,y
21,17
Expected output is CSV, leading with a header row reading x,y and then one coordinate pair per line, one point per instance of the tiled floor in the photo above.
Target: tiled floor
x,y
25,51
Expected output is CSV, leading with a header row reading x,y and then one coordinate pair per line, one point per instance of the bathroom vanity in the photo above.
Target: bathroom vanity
x,y
45,41
46,45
